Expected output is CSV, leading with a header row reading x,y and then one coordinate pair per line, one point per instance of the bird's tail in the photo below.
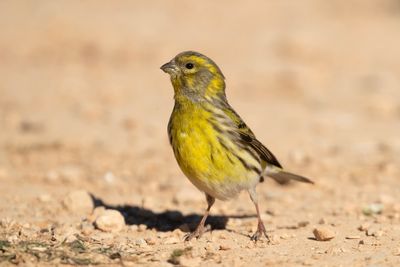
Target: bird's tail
x,y
283,177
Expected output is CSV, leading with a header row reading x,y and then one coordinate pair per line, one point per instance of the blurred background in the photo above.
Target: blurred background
x,y
83,103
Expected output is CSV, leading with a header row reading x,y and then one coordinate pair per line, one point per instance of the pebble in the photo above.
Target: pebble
x,y
140,242
110,221
372,209
150,240
323,234
96,213
79,201
363,227
109,177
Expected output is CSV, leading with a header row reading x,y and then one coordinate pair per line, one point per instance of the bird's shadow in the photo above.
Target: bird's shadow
x,y
168,220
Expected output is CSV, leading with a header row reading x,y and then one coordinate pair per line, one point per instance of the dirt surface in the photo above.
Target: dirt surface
x,y
83,115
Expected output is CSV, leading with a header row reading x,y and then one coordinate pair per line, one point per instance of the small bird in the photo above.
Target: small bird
x,y
213,146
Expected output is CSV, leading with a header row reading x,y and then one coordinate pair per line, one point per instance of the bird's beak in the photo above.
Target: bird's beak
x,y
169,67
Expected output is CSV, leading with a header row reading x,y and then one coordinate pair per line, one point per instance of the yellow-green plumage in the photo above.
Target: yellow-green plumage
x,y
213,146
204,154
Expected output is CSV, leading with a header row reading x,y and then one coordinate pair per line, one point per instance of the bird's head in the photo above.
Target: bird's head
x,y
195,75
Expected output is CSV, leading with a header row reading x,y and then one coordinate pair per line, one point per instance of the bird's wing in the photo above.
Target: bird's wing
x,y
275,170
264,153
248,137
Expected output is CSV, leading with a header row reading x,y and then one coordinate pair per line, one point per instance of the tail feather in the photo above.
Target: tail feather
x,y
284,177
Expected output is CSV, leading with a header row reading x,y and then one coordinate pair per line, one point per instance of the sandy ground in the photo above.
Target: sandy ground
x,y
84,106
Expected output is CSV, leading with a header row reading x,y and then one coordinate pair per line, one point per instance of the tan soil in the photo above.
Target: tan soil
x,y
84,106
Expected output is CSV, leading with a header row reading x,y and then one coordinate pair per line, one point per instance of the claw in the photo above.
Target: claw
x,y
260,232
192,235
200,230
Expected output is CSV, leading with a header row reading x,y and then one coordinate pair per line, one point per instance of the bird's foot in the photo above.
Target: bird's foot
x,y
200,230
260,232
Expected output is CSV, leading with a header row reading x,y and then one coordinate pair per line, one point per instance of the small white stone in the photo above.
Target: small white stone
x,y
372,209
110,221
79,201
96,213
109,177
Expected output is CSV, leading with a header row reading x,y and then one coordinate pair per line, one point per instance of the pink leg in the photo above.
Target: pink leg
x,y
260,226
200,228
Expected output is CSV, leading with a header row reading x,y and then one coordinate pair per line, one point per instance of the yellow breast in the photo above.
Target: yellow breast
x,y
209,164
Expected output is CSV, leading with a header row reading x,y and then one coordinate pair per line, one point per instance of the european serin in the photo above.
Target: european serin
x,y
212,145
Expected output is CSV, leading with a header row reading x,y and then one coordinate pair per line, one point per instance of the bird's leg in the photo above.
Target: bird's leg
x,y
260,226
200,227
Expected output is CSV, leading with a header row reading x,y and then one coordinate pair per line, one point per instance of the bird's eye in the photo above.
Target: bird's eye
x,y
189,66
